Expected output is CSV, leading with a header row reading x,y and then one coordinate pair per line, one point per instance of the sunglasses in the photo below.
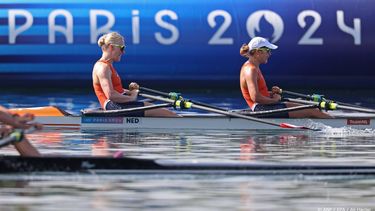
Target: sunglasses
x,y
122,47
268,50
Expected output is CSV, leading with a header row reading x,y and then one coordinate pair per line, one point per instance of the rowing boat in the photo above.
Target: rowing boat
x,y
57,118
126,165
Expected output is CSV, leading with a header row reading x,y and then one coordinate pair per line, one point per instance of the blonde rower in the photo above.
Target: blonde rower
x,y
107,83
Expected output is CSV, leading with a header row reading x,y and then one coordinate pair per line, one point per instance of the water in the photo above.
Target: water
x,y
75,191
186,193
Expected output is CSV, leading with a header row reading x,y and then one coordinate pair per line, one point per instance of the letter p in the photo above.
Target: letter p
x,y
13,31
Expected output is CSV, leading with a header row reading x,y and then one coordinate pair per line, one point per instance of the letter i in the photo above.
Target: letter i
x,y
135,26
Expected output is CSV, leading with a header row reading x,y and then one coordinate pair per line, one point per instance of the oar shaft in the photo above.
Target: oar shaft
x,y
297,94
236,115
365,110
16,135
318,98
9,139
269,112
214,110
164,94
22,145
153,91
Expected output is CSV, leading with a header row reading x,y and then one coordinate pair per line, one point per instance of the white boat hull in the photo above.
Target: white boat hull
x,y
198,122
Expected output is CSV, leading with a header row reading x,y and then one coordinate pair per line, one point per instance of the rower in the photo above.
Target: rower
x,y
20,141
254,88
107,83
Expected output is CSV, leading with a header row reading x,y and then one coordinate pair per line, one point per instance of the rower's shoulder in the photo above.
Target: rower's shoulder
x,y
101,66
249,70
101,69
249,65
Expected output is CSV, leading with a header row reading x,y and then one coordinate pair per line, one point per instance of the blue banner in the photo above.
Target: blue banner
x,y
320,41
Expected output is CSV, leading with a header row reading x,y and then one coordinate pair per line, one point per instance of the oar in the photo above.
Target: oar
x,y
22,145
276,111
14,136
177,96
185,104
316,98
329,105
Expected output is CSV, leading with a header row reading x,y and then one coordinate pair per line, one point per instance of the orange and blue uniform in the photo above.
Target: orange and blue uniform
x,y
262,87
116,82
107,104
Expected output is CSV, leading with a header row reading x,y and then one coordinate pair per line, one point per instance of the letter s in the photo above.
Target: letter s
x,y
173,29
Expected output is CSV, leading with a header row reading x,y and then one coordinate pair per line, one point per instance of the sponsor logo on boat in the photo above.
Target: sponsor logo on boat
x,y
99,120
132,120
358,122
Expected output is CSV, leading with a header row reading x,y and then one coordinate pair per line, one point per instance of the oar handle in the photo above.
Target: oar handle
x,y
294,94
314,97
144,89
16,135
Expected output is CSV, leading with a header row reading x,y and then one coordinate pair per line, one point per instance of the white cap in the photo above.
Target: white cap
x,y
258,42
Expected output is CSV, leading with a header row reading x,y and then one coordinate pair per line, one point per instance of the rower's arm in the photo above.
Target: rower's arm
x,y
8,119
104,77
252,85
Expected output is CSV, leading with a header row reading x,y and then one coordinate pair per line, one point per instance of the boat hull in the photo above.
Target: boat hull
x,y
127,165
197,122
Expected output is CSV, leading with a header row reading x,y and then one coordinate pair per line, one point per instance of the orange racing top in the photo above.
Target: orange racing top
x,y
116,83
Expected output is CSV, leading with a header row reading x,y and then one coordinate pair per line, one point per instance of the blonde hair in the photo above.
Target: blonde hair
x,y
244,51
111,38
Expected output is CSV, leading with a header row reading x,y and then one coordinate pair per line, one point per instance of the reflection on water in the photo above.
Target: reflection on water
x,y
264,145
207,145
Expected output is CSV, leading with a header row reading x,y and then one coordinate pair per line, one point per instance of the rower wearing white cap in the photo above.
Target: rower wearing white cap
x,y
254,88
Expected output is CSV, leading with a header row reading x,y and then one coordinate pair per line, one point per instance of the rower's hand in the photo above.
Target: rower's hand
x,y
21,122
276,90
5,130
133,86
24,122
133,94
24,118
276,97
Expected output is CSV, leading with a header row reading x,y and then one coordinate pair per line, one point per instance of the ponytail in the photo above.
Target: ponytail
x,y
111,38
101,40
244,51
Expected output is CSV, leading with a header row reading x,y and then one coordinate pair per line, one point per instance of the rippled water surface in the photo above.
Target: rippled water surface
x,y
191,192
